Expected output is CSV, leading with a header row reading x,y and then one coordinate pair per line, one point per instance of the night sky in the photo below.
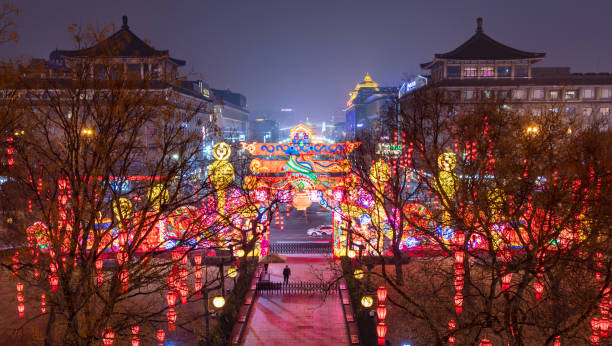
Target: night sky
x,y
308,54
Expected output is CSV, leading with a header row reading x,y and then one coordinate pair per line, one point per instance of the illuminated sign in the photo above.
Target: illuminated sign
x,y
412,85
286,109
388,149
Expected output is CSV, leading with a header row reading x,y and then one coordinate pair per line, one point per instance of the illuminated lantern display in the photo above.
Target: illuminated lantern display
x,y
197,259
232,272
459,256
108,337
21,309
485,342
240,253
99,264
381,312
197,273
183,274
135,341
506,279
218,302
458,302
54,282
595,325
459,283
161,335
171,299
184,290
452,325
20,297
358,274
367,301
381,294
604,324
351,253
135,330
158,195
99,278
197,286
381,332
539,289
594,339
122,209
171,315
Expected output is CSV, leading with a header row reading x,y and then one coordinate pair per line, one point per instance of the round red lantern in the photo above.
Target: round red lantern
x,y
381,293
594,339
485,342
135,341
54,282
458,302
381,331
184,290
459,256
19,287
451,339
108,337
197,259
197,286
135,330
539,289
381,312
595,324
459,283
161,335
452,325
99,264
20,297
198,273
21,309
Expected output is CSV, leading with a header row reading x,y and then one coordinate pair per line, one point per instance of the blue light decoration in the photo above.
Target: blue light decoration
x,y
446,232
365,219
411,242
540,183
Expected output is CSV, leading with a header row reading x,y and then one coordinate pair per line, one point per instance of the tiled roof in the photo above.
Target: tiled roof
x,y
123,43
482,47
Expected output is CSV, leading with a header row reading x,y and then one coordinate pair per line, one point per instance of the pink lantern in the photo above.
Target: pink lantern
x,y
135,330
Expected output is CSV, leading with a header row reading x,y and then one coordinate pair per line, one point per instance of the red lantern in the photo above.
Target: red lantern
x,y
198,288
485,342
197,259
99,264
459,256
19,287
459,238
539,288
135,341
99,278
175,256
108,337
123,236
198,273
451,339
604,324
184,290
557,341
54,282
595,324
381,312
135,330
506,279
458,302
183,262
20,309
171,316
183,274
594,339
20,297
53,267
459,269
171,299
124,277
161,335
381,331
381,293
452,325
459,283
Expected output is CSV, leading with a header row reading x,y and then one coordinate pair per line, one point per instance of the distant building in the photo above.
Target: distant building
x,y
232,113
263,130
483,69
365,106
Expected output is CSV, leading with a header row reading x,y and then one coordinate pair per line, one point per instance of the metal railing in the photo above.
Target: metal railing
x,y
301,248
298,287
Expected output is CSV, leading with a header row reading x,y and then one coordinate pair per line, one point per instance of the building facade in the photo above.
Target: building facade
x,y
482,69
264,130
367,103
232,114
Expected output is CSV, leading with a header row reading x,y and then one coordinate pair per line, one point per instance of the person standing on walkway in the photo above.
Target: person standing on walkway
x,y
286,274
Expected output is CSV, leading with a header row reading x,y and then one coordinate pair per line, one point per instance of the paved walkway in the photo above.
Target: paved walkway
x,y
297,319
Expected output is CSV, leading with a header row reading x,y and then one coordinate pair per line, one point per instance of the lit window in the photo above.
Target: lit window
x,y
518,94
553,94
486,71
604,110
587,93
570,95
469,94
469,71
487,94
605,93
587,111
503,71
521,71
538,94
570,110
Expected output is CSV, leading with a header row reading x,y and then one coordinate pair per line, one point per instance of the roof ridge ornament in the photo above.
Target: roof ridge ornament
x,y
125,21
479,24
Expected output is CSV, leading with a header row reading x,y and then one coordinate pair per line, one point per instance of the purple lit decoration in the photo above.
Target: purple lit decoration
x,y
338,195
365,199
284,196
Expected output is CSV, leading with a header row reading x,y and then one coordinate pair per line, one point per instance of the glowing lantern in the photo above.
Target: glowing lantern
x,y
53,267
358,274
122,209
459,269
135,341
459,238
20,297
594,339
485,342
458,302
557,341
184,290
198,273
452,325
459,256
197,259
171,316
381,293
459,283
54,282
21,309
183,274
218,302
121,257
595,324
351,253
604,324
232,272
158,194
197,286
451,340
184,260
367,301
161,335
301,201
99,278
381,312
99,264
171,299
108,337
381,331
124,276
506,279
539,289
240,253
19,287
135,330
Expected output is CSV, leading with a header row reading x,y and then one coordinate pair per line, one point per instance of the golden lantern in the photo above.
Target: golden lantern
x,y
447,162
218,302
158,194
301,201
232,272
351,253
221,151
380,172
221,173
122,208
240,253
367,301
358,274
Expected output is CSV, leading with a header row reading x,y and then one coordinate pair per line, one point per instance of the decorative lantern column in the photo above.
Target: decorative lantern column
x,y
381,311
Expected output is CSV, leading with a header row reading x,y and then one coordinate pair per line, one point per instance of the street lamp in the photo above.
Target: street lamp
x,y
218,302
